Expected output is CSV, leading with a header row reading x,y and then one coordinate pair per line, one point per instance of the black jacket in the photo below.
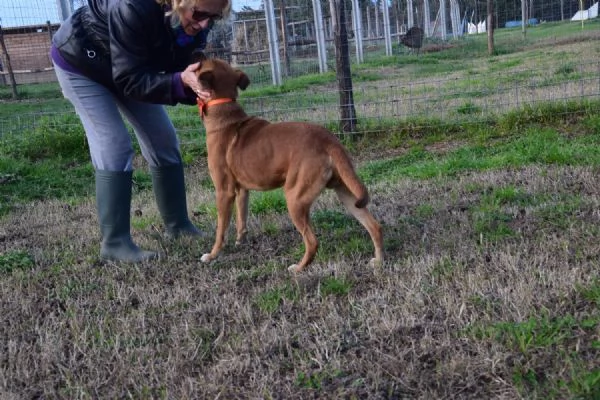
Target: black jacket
x,y
128,46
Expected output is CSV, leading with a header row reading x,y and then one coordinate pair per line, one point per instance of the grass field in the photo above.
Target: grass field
x,y
490,289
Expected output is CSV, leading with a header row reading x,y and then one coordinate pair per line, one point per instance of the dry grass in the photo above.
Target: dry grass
x,y
243,327
491,288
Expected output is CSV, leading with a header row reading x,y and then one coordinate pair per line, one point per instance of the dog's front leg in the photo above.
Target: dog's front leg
x,y
241,207
224,204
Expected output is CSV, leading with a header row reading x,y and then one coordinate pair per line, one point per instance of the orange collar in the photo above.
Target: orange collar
x,y
202,106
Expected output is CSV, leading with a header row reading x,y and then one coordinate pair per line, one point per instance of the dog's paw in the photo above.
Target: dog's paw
x,y
206,258
241,239
375,263
294,268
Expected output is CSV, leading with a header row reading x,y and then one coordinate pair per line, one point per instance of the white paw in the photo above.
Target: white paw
x,y
206,258
375,262
293,268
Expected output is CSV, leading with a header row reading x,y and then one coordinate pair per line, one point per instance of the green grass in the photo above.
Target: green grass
x,y
34,100
491,219
269,301
331,286
54,137
317,379
51,161
591,293
563,334
51,179
267,202
500,196
50,90
542,333
533,146
15,260
331,220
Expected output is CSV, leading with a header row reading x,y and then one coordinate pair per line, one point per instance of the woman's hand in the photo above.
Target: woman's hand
x,y
190,80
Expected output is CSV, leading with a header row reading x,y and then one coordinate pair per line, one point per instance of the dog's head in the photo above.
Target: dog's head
x,y
220,78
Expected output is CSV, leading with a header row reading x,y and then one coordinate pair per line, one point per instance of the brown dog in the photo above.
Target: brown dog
x,y
248,153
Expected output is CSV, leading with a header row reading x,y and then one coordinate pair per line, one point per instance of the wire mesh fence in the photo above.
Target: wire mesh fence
x,y
397,76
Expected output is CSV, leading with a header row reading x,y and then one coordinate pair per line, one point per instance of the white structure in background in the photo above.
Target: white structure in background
x,y
590,13
471,28
476,28
481,27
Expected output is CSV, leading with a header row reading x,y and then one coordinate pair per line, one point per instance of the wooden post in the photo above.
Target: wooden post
x,y
523,19
342,59
284,38
490,26
11,75
49,26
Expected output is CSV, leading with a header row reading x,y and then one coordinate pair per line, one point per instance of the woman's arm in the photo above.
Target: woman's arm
x,y
135,26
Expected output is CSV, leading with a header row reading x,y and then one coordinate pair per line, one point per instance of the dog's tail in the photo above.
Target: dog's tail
x,y
347,174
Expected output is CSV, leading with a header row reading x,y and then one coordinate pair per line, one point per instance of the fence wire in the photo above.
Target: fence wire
x,y
376,31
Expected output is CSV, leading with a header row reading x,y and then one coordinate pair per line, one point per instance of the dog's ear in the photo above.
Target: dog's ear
x,y
197,56
243,80
208,77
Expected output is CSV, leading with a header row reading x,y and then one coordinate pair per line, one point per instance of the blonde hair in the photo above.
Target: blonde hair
x,y
178,7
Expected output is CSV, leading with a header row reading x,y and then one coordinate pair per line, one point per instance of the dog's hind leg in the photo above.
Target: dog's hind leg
x,y
366,219
241,208
300,217
299,201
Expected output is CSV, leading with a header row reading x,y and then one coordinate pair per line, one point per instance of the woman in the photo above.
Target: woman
x,y
118,59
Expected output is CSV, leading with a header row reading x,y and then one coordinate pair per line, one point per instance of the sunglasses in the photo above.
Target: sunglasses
x,y
200,16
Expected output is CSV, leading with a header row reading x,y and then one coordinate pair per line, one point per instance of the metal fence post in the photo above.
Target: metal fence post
x,y
273,42
443,19
357,25
409,14
320,36
426,21
65,8
387,33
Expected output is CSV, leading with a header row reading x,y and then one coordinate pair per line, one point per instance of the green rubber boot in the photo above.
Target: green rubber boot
x,y
113,202
169,192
